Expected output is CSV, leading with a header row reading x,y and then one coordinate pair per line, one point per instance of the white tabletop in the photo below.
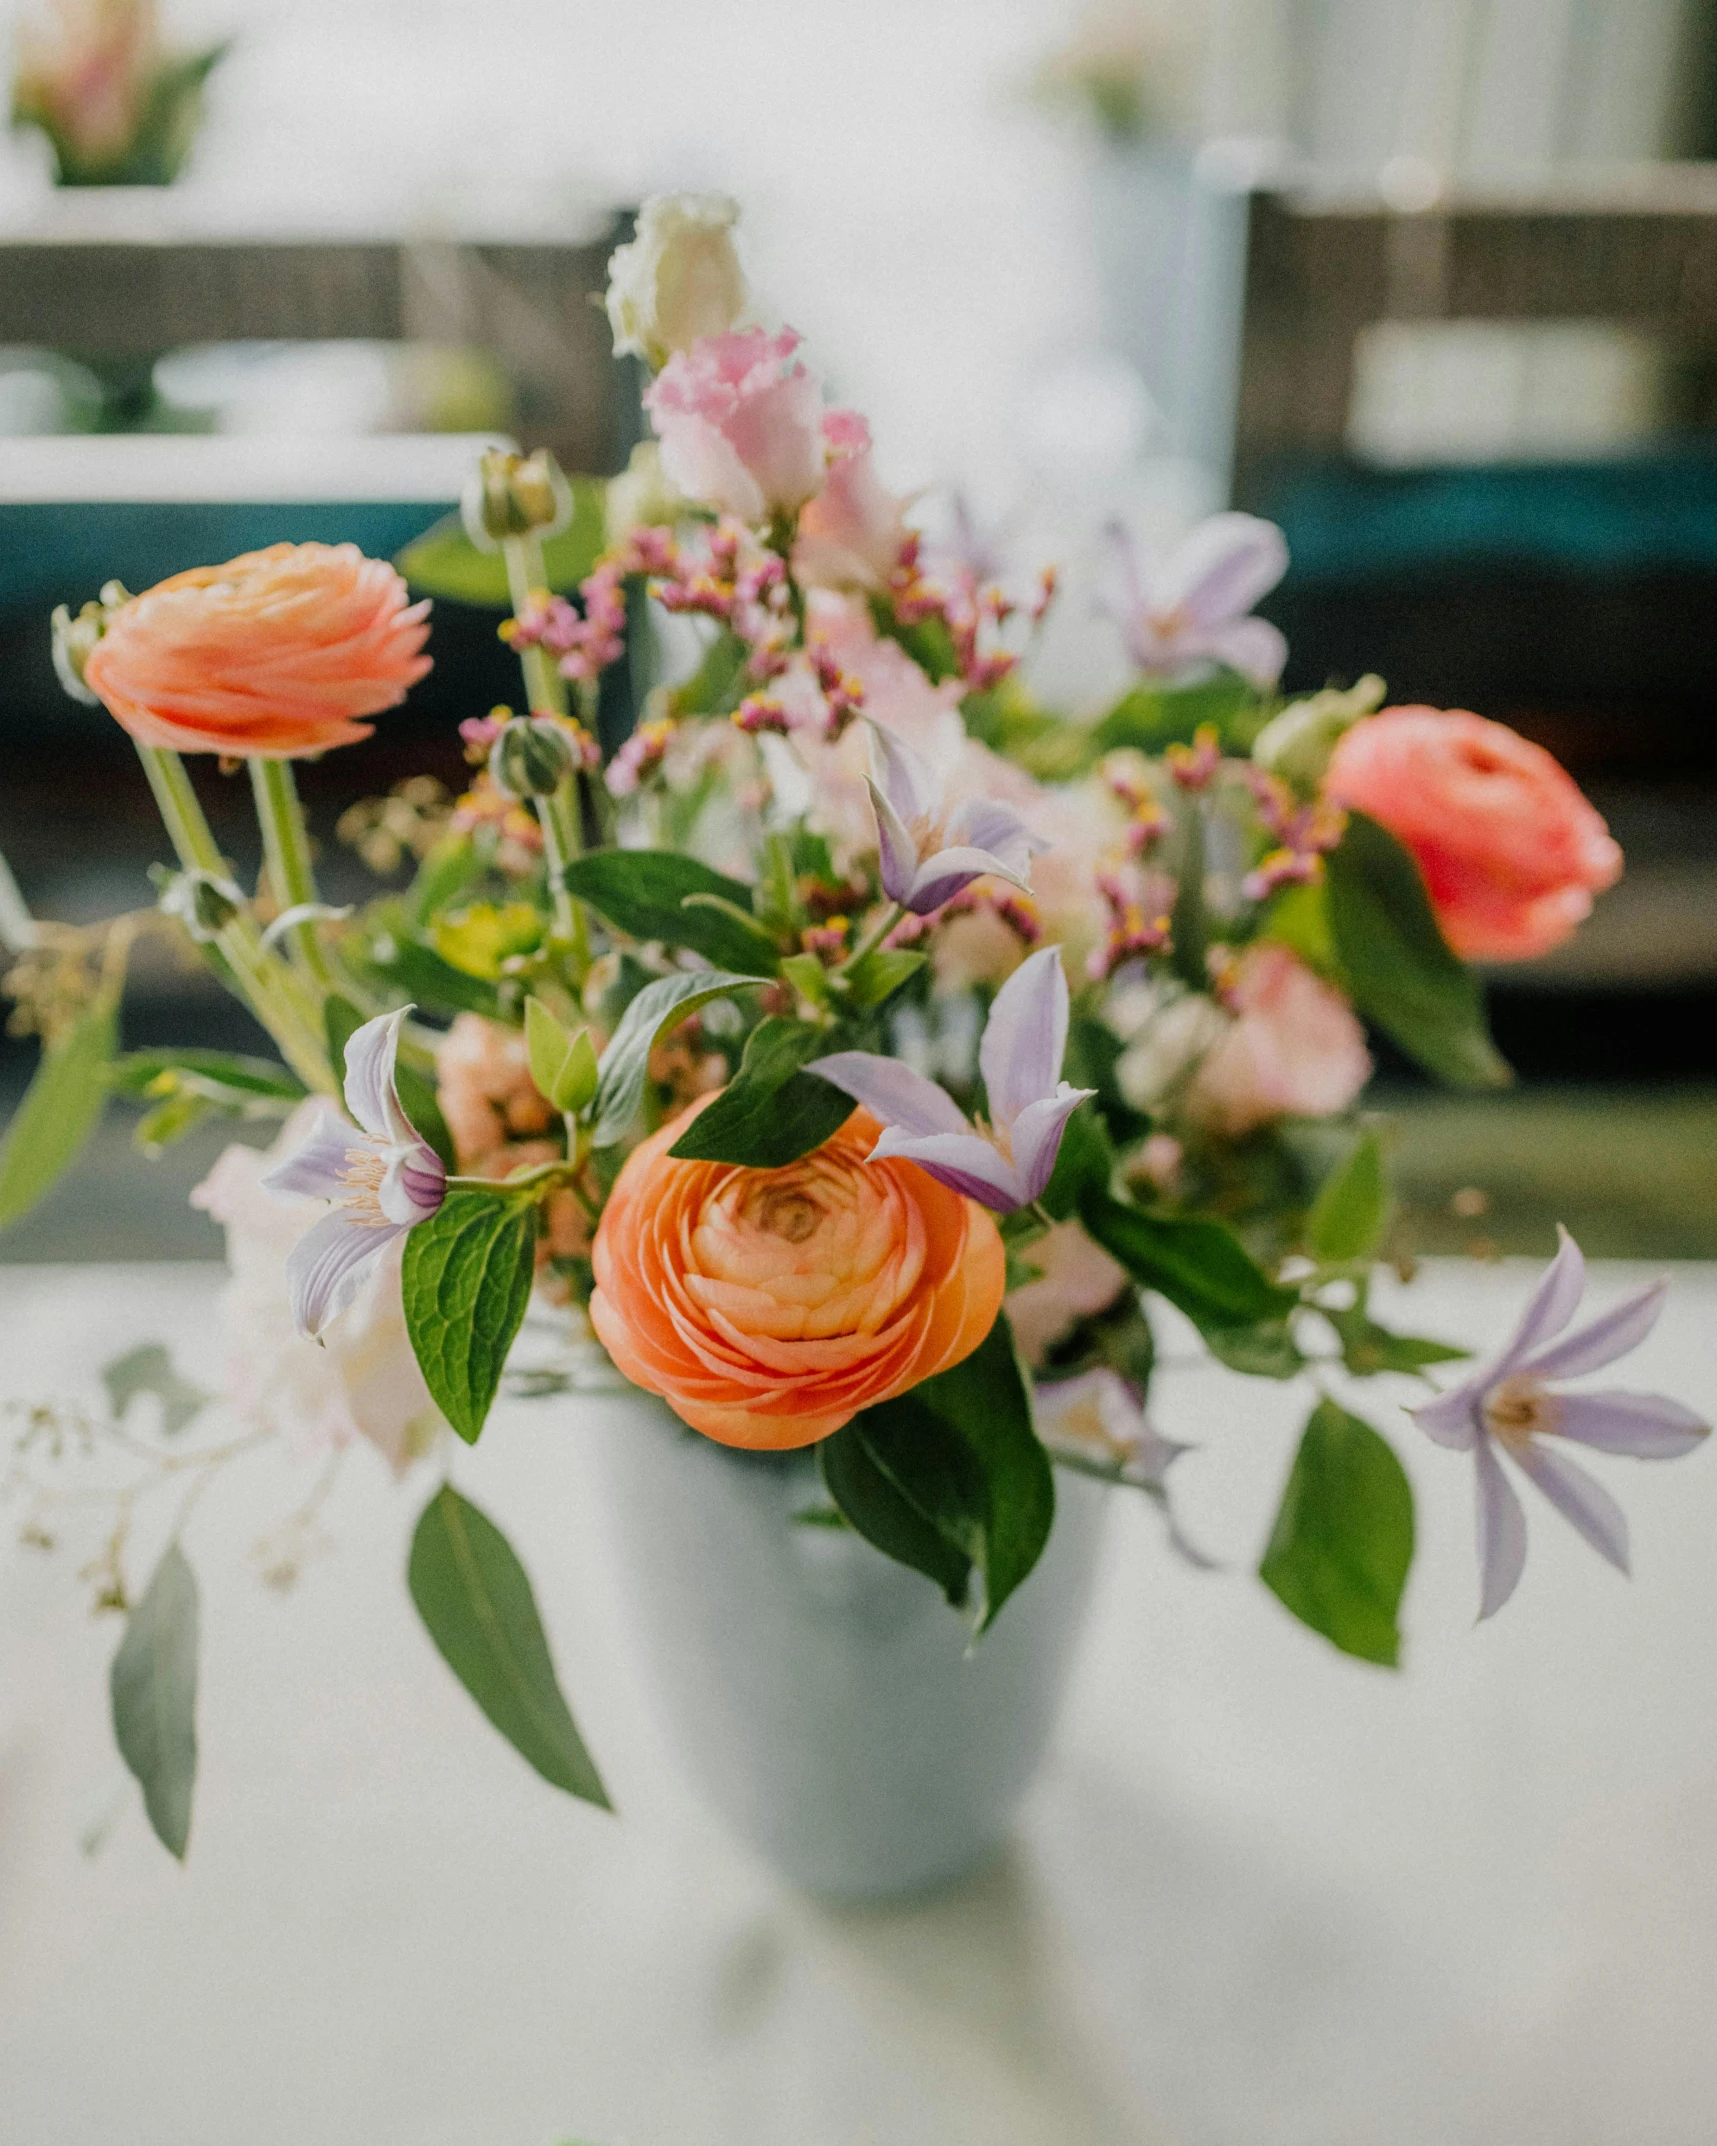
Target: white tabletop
x,y
1262,1896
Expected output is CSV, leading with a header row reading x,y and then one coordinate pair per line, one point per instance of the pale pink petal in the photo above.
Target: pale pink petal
x,y
1025,1038
1219,571
1253,647
906,782
1586,1505
1502,1532
1600,1341
327,1266
964,1161
1647,1426
891,1091
314,1170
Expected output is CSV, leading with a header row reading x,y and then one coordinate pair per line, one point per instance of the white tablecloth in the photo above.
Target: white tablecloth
x,y
1262,1896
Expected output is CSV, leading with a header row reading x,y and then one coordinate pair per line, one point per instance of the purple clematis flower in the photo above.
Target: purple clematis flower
x,y
931,851
1507,1405
1007,1163
1191,607
383,1180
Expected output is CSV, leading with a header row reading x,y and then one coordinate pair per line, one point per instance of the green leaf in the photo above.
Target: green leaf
x,y
876,1508
1299,919
1264,1352
882,972
341,1020
1189,926
626,1062
714,687
1367,1348
1196,1262
644,892
222,1076
449,868
149,1369
563,1064
1150,717
1351,1212
1343,1540
475,1599
61,1108
927,641
1401,971
1084,1164
420,974
770,1113
444,562
170,1121
153,1689
465,1282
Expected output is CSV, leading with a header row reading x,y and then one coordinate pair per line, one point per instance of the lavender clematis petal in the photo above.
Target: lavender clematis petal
x,y
1502,1532
949,872
1452,1419
1554,1303
897,853
1254,648
1037,1135
1220,569
1600,1341
964,1161
1586,1505
984,823
327,1266
892,1092
413,1185
906,782
1646,1426
1025,1038
313,1171
370,1096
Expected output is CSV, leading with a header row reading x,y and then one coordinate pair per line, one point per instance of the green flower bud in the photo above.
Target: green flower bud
x,y
563,1065
532,757
512,495
1298,743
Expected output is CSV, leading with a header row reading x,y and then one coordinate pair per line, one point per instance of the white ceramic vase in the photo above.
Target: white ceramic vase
x,y
825,1700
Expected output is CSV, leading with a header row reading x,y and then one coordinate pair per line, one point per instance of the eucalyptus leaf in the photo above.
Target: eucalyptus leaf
x,y
149,1369
465,1282
771,1112
153,1689
476,1602
60,1110
1339,1553
625,1064
647,893
1351,1212
1397,963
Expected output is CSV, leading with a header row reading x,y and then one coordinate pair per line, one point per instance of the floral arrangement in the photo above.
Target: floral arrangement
x,y
117,108
855,1054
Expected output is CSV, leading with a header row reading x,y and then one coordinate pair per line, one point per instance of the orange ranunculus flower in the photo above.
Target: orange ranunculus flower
x,y
769,1306
271,656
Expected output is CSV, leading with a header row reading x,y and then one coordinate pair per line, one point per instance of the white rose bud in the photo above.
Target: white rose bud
x,y
679,280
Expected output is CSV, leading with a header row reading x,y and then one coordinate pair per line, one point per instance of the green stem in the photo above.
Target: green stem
x,y
558,816
286,843
545,688
274,994
870,945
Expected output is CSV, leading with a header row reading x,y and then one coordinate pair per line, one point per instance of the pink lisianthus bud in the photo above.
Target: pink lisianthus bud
x,y
851,534
740,422
1294,1049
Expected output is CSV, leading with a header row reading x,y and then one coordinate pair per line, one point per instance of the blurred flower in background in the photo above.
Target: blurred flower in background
x,y
117,107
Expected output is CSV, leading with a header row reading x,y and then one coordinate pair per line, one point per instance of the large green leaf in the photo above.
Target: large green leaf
x,y
626,1062
476,1601
659,894
1343,1540
1351,1212
444,562
466,1281
1149,717
771,1113
875,1507
1196,1262
153,1689
419,974
962,1455
1397,963
61,1108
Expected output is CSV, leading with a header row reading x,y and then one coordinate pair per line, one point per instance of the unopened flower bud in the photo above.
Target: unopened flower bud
x,y
563,1064
642,496
679,280
204,904
75,639
513,495
532,757
1298,743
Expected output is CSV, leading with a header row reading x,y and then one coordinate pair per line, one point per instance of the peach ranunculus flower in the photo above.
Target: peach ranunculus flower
x,y
1294,1048
1511,852
273,655
767,1307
